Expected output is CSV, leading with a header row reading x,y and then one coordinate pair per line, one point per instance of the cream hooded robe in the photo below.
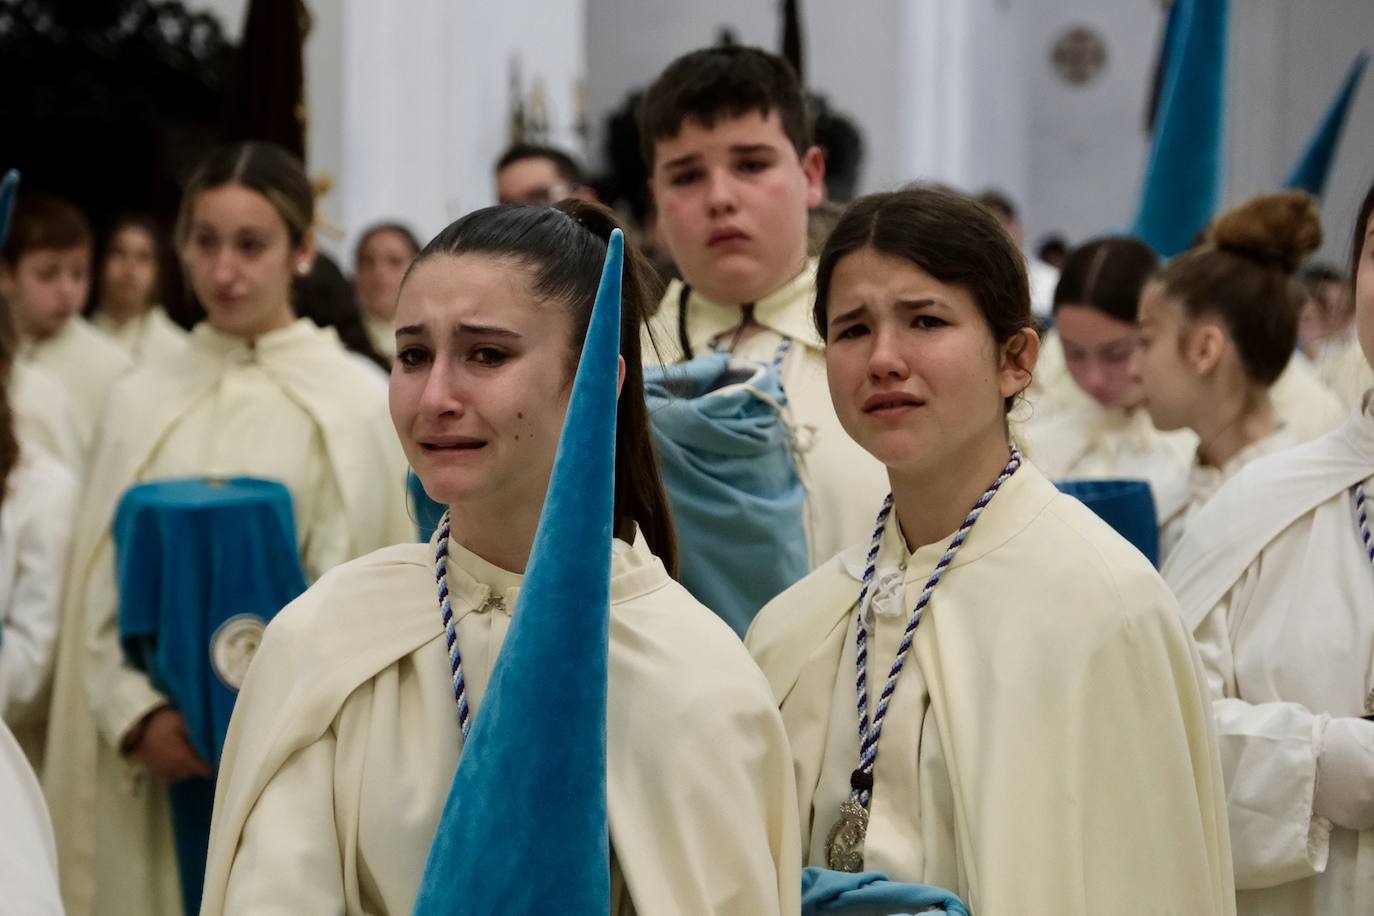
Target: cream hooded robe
x,y
840,478
291,406
345,741
1049,746
1274,582
87,363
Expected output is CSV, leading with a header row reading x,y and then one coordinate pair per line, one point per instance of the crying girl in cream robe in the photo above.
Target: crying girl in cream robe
x,y
995,694
346,736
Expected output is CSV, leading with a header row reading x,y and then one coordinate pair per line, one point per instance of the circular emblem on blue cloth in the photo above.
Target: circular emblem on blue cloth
x,y
232,648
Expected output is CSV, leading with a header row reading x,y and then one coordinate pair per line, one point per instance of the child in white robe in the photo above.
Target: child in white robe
x,y
1086,415
1046,743
130,289
45,277
255,392
38,495
733,170
1276,579
1219,324
346,736
383,253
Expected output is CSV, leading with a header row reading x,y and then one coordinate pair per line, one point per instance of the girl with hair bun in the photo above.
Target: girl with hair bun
x,y
1219,325
1275,575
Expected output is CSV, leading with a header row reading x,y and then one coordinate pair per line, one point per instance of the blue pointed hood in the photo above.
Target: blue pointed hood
x,y
525,827
9,187
1182,186
1311,171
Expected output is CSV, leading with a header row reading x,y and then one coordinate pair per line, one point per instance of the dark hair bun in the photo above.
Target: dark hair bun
x,y
1277,230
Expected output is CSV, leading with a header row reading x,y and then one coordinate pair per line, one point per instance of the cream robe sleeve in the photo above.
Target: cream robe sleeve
x,y
120,695
28,854
328,540
281,865
40,510
1269,760
703,802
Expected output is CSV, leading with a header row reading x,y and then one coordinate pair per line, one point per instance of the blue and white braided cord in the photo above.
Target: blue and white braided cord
x,y
1362,518
455,659
780,354
870,733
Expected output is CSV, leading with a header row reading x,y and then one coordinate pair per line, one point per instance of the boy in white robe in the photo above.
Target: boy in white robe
x,y
733,172
45,276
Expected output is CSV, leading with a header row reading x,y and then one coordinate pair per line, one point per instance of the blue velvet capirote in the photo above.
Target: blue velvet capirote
x,y
525,829
1313,168
1183,178
9,187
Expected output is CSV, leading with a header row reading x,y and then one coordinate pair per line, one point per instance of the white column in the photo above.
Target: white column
x,y
426,101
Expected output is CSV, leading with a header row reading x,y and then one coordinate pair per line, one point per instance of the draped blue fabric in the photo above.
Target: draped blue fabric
x,y
424,510
1127,505
202,566
524,828
726,458
1311,171
870,893
1182,186
9,187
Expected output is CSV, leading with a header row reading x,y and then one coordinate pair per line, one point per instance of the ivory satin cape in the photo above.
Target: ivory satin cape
x,y
292,406
345,739
844,484
1049,745
1275,584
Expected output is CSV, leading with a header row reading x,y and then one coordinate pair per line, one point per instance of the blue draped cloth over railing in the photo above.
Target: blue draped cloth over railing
x,y
725,451
202,566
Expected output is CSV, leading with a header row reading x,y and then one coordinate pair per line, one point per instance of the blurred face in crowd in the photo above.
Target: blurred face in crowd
x,y
1102,354
1364,295
128,283
1171,382
534,180
240,260
46,287
732,204
915,374
1326,314
382,262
